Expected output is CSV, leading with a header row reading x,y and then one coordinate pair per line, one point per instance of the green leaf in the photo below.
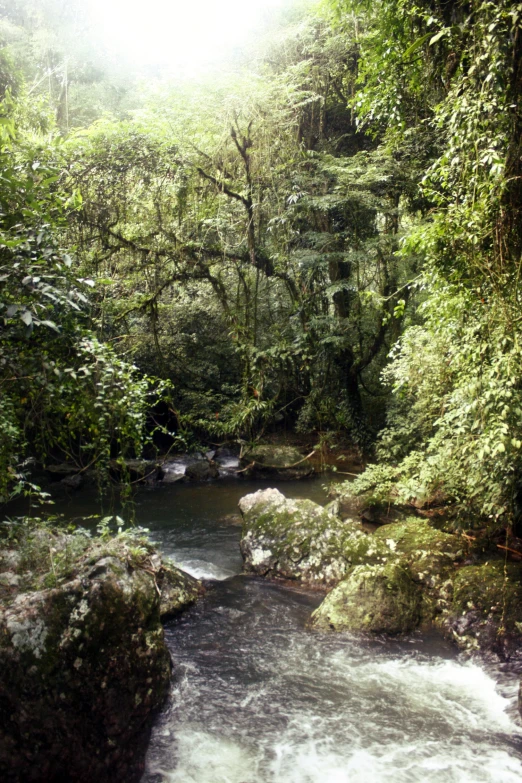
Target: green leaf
x,y
51,325
416,45
438,36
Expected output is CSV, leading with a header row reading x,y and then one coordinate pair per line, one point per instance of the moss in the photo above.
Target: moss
x,y
371,599
429,552
485,612
298,539
490,588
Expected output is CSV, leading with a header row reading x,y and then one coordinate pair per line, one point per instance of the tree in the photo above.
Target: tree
x,y
62,392
458,436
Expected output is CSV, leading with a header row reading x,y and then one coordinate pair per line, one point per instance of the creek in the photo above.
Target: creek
x,y
258,698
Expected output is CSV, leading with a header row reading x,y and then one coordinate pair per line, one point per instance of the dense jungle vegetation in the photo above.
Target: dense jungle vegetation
x,y
325,239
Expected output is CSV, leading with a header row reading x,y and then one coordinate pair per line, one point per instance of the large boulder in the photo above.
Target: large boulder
x,y
411,583
430,553
371,599
299,539
137,470
83,661
281,462
485,613
430,556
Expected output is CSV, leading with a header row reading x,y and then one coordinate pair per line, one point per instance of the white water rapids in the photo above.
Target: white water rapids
x,y
260,699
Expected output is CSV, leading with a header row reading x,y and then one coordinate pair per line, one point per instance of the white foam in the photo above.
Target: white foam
x,y
201,569
464,693
228,463
300,708
204,758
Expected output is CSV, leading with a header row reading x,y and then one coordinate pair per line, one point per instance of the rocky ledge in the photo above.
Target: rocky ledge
x,y
83,661
402,576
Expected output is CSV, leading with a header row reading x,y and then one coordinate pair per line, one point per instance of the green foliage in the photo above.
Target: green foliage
x,y
63,393
244,241
47,549
263,242
455,427
52,52
458,406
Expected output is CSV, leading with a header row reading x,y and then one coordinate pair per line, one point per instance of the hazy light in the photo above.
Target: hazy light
x,y
185,35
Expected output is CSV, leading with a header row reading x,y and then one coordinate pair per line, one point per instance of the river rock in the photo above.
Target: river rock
x,y
283,462
137,469
73,482
371,599
430,555
486,609
83,661
62,469
299,539
178,590
202,471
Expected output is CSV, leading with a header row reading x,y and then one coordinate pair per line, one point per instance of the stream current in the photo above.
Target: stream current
x,y
258,698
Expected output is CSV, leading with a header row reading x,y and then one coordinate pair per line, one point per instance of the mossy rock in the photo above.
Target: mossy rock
x,y
178,590
486,610
430,556
266,461
371,599
429,553
83,664
205,470
299,539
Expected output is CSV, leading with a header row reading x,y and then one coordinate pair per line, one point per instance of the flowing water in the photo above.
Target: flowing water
x,y
258,698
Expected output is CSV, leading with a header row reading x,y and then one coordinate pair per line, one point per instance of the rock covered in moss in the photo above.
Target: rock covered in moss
x,y
268,461
299,539
178,590
410,583
371,599
486,609
430,553
83,663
